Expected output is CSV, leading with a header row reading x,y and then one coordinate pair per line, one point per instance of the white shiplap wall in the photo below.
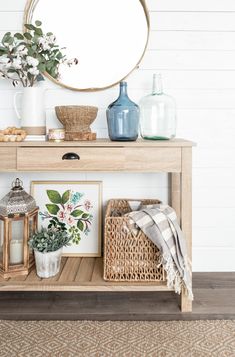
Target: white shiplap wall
x,y
192,44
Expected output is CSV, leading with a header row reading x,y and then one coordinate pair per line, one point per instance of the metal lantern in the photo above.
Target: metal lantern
x,y
18,219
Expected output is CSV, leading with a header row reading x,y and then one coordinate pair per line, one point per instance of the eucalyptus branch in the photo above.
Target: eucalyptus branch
x,y
21,78
31,54
6,76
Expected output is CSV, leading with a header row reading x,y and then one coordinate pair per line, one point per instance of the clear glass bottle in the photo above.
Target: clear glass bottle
x,y
157,113
123,117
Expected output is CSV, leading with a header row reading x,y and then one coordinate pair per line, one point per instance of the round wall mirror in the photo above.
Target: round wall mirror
x,y
108,37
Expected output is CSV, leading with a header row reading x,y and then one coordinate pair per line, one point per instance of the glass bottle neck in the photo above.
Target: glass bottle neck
x,y
123,89
157,84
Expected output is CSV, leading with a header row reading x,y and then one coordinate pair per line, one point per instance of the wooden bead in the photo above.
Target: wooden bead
x,y
12,134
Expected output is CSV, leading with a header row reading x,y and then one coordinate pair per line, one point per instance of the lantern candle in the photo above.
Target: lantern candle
x,y
17,210
16,251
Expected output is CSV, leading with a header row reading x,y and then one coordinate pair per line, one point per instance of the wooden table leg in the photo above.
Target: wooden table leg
x,y
176,194
186,213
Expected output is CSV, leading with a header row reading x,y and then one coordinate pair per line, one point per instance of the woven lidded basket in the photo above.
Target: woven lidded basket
x,y
128,257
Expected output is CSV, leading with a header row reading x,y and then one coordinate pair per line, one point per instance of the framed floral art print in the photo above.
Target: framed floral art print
x,y
74,207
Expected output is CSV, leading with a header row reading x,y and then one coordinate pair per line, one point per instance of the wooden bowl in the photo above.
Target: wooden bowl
x,y
76,118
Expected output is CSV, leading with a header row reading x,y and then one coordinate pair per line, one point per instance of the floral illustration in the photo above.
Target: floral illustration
x,y
68,212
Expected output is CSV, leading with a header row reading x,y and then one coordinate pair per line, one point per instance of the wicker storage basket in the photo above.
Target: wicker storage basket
x,y
128,257
76,118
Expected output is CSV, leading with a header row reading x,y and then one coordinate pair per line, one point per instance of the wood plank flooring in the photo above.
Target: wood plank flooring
x,y
214,299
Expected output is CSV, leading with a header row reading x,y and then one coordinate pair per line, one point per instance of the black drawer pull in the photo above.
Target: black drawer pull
x,y
70,156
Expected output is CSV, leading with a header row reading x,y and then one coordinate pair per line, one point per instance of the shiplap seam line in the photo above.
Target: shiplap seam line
x,y
187,30
151,11
189,50
214,248
191,11
151,30
189,69
183,31
199,246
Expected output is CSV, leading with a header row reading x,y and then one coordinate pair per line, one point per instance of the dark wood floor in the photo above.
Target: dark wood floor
x,y
214,299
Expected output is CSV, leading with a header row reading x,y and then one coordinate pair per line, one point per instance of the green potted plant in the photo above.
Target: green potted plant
x,y
48,246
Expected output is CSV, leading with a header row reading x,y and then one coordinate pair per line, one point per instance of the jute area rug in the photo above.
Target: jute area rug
x,y
101,339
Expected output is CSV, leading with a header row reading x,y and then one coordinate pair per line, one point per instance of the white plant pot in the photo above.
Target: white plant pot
x,y
32,116
48,264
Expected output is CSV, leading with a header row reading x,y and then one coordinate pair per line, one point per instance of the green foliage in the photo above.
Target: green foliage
x,y
54,196
49,240
28,36
30,27
80,225
30,54
67,213
76,237
52,209
56,224
65,196
77,213
6,38
19,36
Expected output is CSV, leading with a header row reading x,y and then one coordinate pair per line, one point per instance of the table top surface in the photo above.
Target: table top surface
x,y
103,143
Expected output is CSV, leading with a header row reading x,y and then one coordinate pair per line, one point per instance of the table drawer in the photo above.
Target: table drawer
x,y
153,159
50,159
7,158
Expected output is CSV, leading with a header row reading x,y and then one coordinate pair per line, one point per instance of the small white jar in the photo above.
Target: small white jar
x,y
56,135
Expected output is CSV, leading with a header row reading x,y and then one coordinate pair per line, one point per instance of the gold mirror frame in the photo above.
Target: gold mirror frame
x,y
28,13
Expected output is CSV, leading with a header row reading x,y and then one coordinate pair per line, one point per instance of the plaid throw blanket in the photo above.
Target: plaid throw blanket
x,y
159,223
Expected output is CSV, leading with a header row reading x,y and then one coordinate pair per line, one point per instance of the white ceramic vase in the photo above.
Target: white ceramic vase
x,y
32,116
48,264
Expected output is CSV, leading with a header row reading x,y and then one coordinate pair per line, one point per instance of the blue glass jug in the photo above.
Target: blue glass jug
x,y
123,117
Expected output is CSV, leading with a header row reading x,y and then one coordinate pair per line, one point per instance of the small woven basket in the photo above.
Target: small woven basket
x,y
76,118
128,257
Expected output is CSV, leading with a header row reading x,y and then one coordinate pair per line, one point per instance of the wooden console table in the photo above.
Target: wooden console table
x,y
85,274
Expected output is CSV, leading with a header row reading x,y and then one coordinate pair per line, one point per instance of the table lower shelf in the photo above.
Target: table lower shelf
x,y
76,274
